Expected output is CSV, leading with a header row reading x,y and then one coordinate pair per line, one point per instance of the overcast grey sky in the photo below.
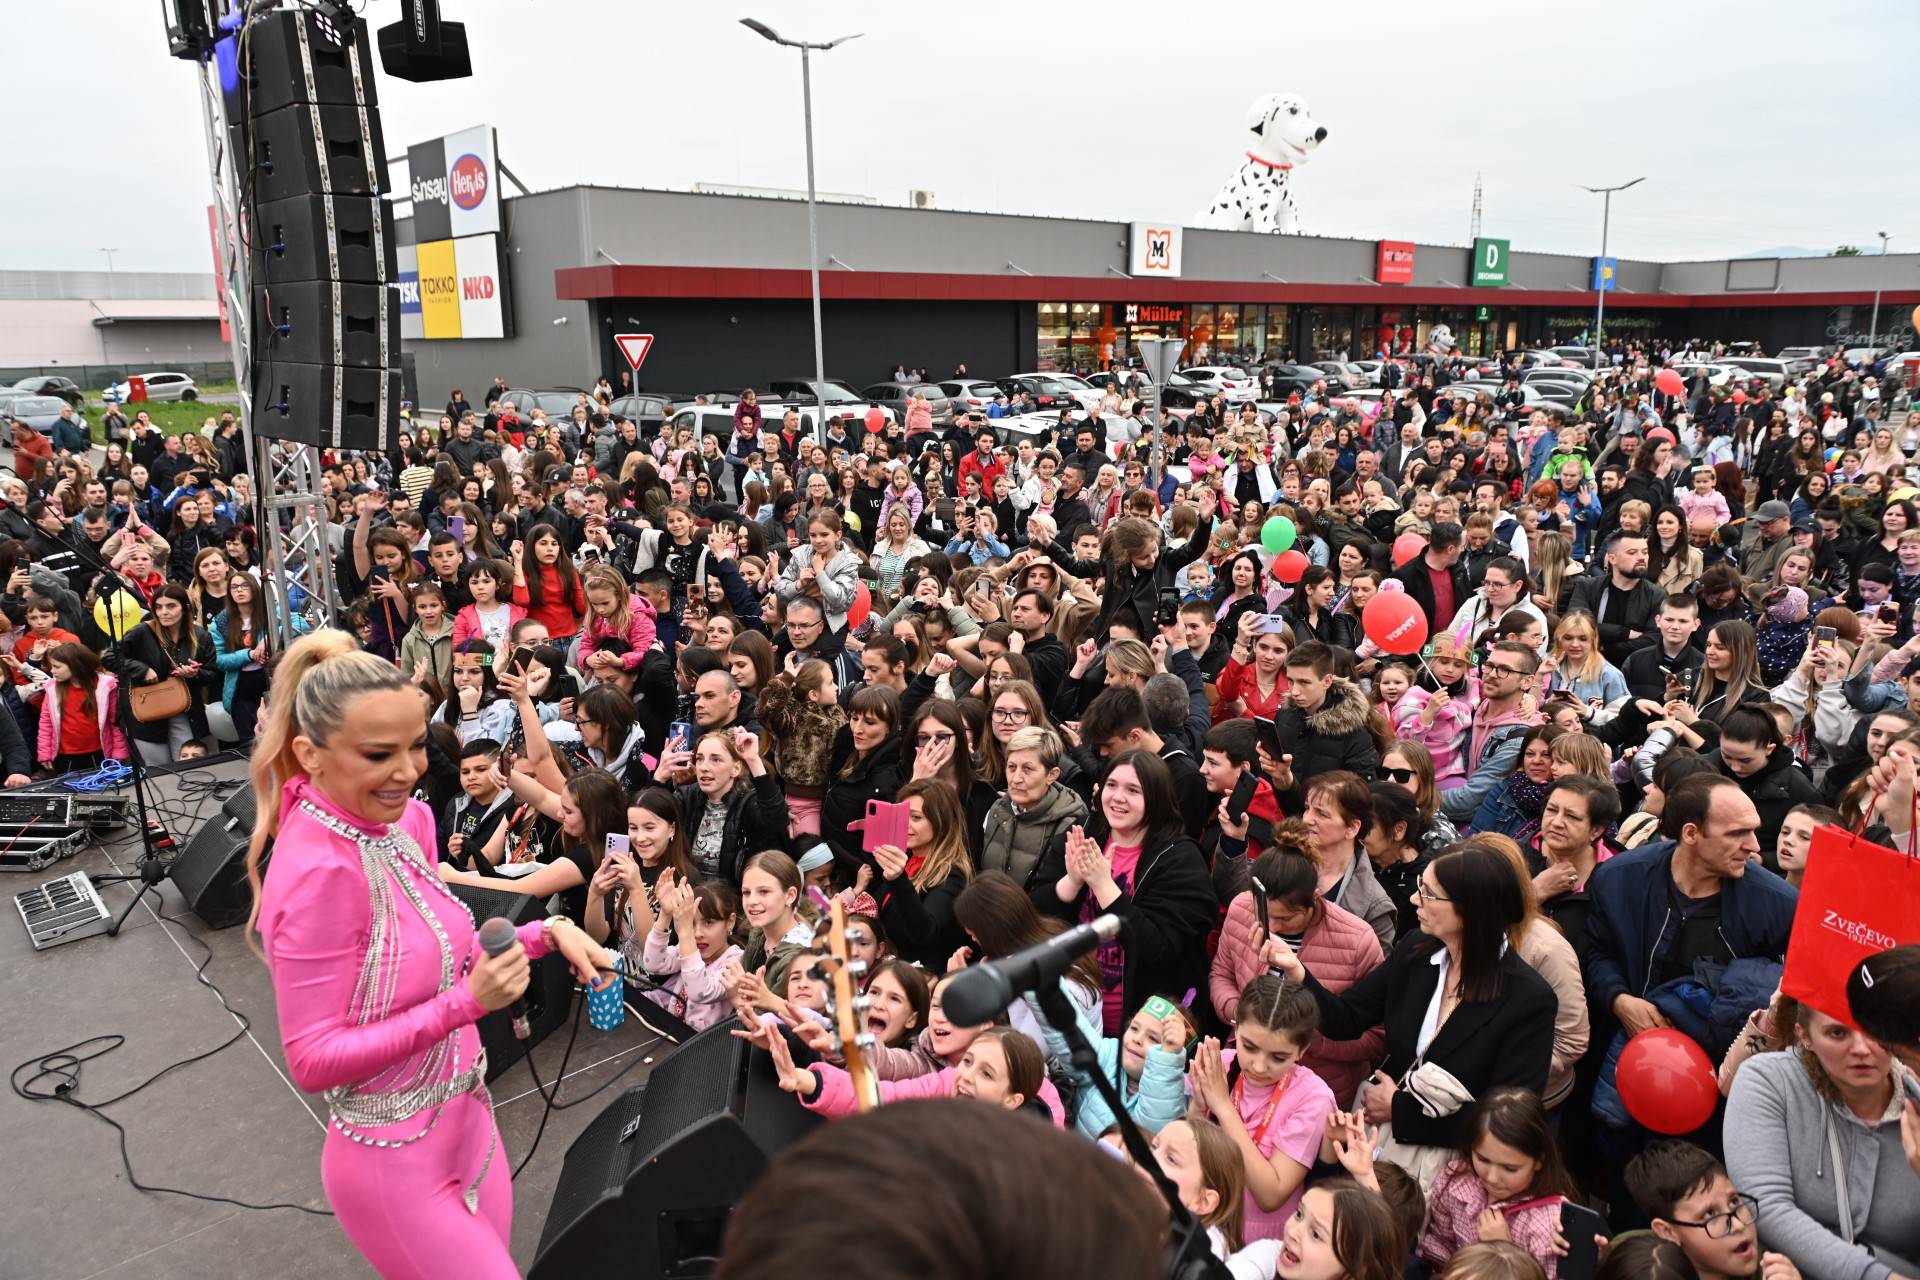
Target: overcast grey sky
x,y
1756,124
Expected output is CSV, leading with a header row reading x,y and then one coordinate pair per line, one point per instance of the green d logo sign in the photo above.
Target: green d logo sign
x,y
1490,263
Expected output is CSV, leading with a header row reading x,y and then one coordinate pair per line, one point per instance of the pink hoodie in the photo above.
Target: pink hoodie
x,y
835,1097
642,624
1446,738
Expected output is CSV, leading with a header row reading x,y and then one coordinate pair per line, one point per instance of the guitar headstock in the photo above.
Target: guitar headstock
x,y
846,1003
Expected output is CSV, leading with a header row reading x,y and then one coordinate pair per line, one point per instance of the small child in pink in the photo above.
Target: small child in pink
x,y
691,959
1704,499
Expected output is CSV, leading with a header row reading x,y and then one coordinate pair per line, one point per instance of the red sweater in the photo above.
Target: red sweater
x,y
79,732
559,609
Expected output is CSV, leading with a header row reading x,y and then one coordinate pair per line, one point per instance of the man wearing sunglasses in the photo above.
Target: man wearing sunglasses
x,y
1694,1204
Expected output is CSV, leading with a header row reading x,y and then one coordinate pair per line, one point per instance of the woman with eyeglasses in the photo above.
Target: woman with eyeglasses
x,y
935,745
1812,1132
1455,1000
864,765
1512,807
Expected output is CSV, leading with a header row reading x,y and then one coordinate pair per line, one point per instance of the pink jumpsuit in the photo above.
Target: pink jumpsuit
x,y
403,1204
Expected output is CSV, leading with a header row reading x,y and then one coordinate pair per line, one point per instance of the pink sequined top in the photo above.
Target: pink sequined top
x,y
316,924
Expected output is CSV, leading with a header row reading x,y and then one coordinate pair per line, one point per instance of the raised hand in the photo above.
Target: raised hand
x,y
892,860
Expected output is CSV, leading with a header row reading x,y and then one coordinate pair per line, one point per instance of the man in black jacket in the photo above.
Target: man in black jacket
x,y
1322,725
53,546
1136,568
1434,579
1031,616
1620,597
1070,510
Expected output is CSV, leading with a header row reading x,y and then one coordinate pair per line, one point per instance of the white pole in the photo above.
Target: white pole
x,y
813,257
1600,308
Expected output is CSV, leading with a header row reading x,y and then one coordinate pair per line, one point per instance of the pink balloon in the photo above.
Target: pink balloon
x,y
1670,381
1406,547
1395,623
1666,1082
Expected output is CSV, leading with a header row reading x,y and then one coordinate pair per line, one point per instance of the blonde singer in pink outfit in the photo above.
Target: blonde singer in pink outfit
x,y
378,974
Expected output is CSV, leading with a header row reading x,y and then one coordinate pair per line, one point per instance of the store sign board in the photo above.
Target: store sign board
x,y
1603,272
460,289
1395,264
1154,313
1155,249
1490,263
455,185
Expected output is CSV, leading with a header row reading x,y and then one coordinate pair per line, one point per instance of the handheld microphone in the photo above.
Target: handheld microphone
x,y
980,992
497,935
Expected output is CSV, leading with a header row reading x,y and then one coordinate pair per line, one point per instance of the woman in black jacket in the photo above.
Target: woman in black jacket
x,y
1494,1021
1137,862
918,885
935,744
166,645
733,808
865,765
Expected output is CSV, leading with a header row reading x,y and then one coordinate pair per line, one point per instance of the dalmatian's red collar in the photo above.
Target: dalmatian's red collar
x,y
1268,163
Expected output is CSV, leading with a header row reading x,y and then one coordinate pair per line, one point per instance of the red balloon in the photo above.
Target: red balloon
x,y
861,607
1289,565
1394,622
1666,1082
1739,396
1406,547
1670,381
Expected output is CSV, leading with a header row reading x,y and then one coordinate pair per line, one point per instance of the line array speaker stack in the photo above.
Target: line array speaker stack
x,y
647,1188
307,145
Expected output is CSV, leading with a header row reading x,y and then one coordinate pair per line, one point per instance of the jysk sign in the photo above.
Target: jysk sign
x,y
1603,271
455,185
1155,250
1490,263
1395,264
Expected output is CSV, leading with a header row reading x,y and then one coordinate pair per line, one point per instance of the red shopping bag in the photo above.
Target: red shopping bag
x,y
1856,899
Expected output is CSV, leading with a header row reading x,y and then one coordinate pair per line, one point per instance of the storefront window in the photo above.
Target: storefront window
x,y
1329,332
1084,350
1053,336
1200,334
1276,346
1226,335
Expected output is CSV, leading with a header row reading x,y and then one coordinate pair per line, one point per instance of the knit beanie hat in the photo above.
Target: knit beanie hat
x,y
1791,607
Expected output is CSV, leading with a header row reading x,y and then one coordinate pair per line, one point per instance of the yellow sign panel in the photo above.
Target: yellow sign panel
x,y
439,290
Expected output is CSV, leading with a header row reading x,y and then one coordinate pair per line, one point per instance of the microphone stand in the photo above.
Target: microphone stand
x,y
1189,1253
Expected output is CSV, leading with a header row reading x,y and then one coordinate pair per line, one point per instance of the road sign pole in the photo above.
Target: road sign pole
x,y
1159,355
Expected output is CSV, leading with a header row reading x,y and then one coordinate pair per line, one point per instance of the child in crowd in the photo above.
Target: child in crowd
x,y
78,725
42,634
475,708
620,626
1796,837
1147,1063
490,616
1390,684
1204,1165
1437,712
483,804
1273,1108
428,647
690,945
1506,1182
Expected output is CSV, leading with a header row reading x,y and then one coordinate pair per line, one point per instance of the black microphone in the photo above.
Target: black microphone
x,y
980,992
497,935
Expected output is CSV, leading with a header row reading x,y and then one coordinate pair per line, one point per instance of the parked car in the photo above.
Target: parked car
x,y
556,402
1584,357
1773,372
896,396
160,386
52,384
38,412
1802,359
1717,375
970,395
648,409
1534,394
1289,378
1228,380
1047,391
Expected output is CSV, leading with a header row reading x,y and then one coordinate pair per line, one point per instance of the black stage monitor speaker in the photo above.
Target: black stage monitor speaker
x,y
420,47
322,237
647,1188
321,322
297,56
211,871
549,992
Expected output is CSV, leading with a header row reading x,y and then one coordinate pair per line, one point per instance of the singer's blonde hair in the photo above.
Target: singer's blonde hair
x,y
319,675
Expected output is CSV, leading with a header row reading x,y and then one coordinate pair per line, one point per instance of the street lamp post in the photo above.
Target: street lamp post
x,y
806,49
1606,216
1873,332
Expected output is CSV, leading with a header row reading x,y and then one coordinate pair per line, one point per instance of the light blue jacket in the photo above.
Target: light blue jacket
x,y
1157,1101
231,662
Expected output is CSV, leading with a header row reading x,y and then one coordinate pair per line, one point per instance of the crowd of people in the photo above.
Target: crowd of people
x,y
1388,920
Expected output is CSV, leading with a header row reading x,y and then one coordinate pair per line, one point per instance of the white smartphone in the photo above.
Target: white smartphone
x,y
619,846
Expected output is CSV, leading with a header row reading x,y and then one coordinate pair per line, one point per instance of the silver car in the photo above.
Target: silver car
x,y
160,386
38,412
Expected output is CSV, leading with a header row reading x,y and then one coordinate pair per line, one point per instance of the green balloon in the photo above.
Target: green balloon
x,y
1278,534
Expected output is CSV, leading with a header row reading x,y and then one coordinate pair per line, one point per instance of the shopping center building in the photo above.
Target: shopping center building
x,y
721,282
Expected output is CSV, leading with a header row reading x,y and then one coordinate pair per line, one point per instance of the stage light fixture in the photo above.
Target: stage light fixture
x,y
420,47
189,24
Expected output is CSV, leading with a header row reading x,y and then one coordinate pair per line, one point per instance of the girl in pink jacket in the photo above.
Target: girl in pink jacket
x,y
1704,499
1001,1068
78,726
1507,1182
492,614
691,958
1440,719
614,613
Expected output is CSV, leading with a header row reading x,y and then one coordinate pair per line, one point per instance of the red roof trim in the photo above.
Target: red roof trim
x,y
586,283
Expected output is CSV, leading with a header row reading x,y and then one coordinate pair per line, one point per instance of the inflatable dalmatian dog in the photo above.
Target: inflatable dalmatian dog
x,y
1257,198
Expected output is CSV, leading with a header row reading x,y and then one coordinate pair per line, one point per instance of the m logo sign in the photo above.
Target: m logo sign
x,y
1155,250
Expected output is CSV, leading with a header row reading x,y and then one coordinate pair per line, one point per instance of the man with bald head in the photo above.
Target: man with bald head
x,y
719,706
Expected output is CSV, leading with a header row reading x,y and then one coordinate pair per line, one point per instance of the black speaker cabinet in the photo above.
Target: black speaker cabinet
x,y
549,992
300,322
211,871
323,237
334,406
296,56
647,1188
281,155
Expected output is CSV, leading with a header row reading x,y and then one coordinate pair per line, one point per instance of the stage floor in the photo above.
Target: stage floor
x,y
233,1125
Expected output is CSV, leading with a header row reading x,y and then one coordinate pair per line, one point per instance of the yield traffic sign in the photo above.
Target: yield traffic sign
x,y
634,347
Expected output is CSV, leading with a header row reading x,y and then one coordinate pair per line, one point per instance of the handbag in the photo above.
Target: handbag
x,y
161,700
1857,898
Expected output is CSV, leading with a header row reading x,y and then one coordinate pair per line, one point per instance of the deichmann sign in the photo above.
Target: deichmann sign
x,y
1490,263
1155,250
455,185
1395,265
454,289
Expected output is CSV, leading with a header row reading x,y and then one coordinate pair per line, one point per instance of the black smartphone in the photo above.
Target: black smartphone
x,y
1242,795
1260,908
518,662
380,573
1579,1225
1267,734
1824,635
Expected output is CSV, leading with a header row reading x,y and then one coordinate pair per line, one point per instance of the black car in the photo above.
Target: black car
x,y
52,384
649,409
1043,393
1291,378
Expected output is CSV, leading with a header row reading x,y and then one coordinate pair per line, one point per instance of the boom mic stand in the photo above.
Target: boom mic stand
x,y
1189,1253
